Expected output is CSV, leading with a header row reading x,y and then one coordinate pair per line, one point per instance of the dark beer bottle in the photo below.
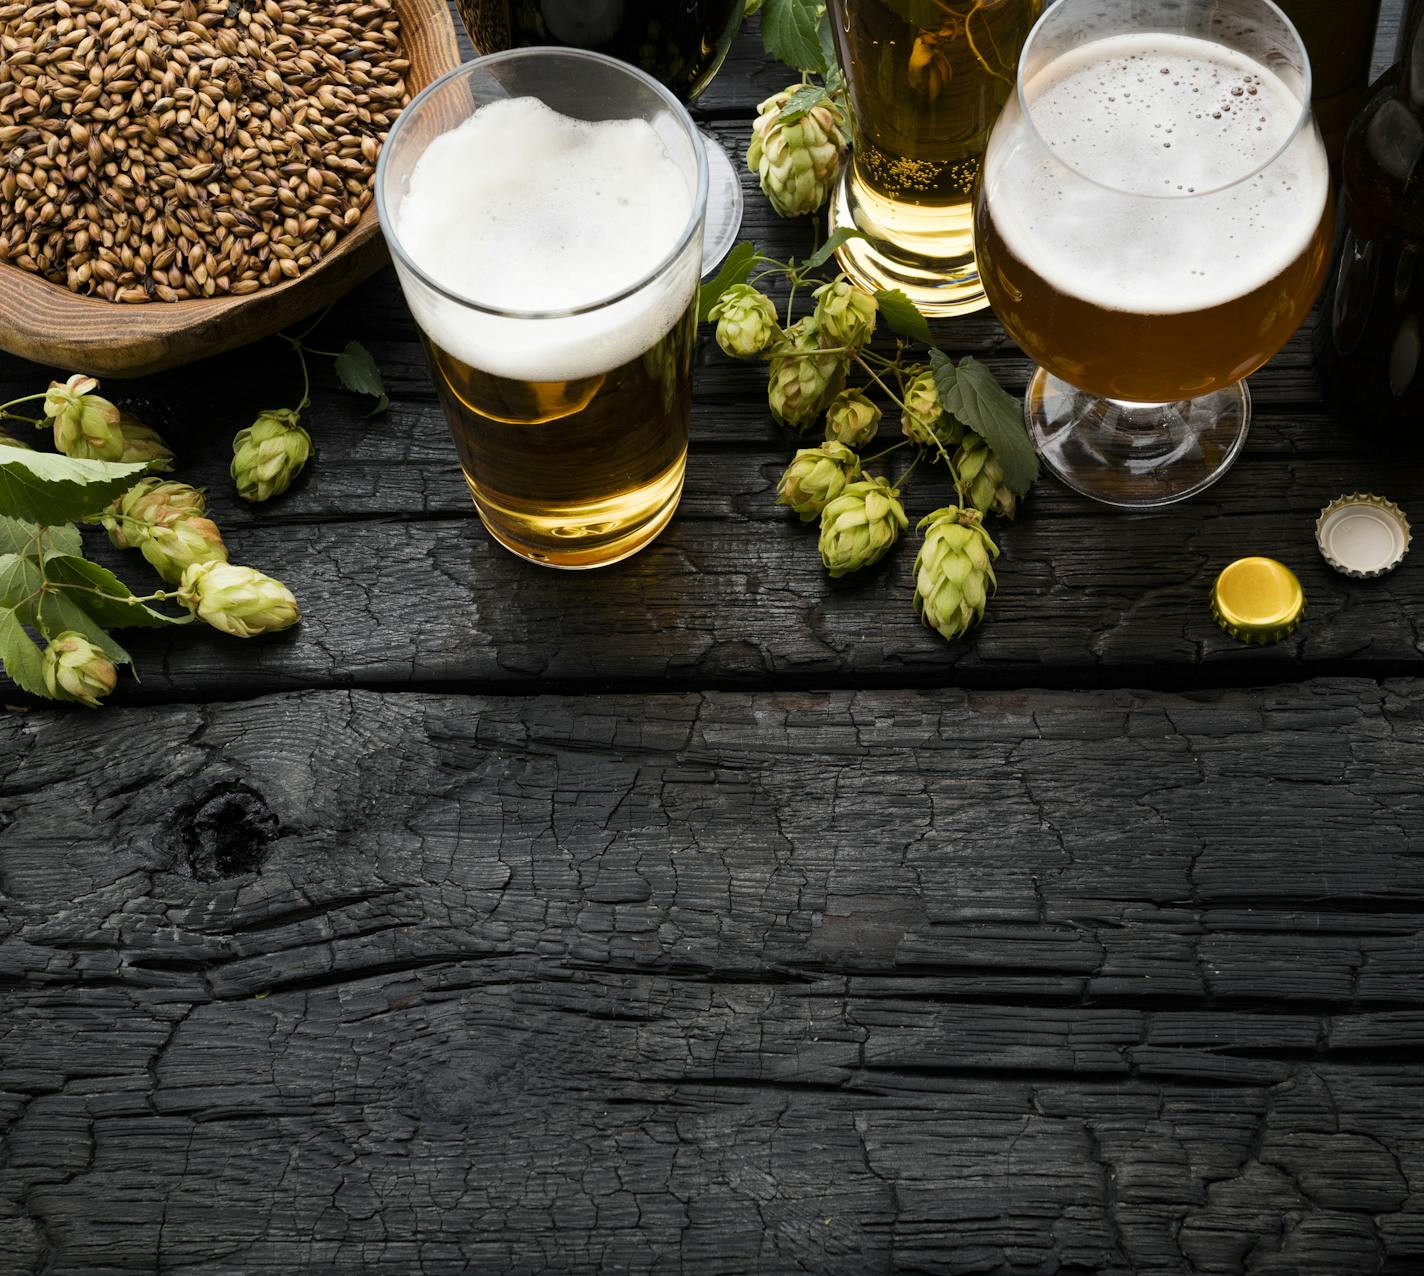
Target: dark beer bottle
x,y
1371,331
1340,37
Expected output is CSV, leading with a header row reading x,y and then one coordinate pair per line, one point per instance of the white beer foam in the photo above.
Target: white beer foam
x,y
522,208
1157,115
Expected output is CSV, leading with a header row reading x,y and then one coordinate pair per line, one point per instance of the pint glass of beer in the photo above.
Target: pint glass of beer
x,y
926,79
544,210
1153,225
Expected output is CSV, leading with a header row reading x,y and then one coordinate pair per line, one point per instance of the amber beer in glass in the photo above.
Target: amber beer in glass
x,y
926,80
1153,225
544,210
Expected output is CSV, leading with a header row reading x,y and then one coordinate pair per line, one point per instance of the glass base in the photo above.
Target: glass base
x,y
582,553
1135,455
927,253
724,206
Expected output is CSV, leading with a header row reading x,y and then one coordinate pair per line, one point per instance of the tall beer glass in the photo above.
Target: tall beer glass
x,y
926,79
544,209
680,43
1153,225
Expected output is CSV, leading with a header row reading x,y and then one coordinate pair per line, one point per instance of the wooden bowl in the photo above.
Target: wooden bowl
x,y
51,325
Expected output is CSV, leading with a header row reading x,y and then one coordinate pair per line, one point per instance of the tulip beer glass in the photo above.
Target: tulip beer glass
x,y
926,79
1153,224
544,210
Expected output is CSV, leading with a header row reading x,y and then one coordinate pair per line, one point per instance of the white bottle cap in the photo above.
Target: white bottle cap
x,y
1363,536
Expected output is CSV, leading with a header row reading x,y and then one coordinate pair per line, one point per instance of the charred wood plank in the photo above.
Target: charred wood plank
x,y
837,983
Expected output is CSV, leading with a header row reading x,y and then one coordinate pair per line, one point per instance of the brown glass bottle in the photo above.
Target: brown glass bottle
x,y
1340,35
1371,333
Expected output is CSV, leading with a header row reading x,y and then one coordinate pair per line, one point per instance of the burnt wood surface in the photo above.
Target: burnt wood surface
x,y
704,915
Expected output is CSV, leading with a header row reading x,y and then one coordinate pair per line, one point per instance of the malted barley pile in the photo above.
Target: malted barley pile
x,y
162,150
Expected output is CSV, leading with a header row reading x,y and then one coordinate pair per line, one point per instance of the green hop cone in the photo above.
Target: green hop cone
x,y
751,7
983,477
954,571
816,476
75,669
240,601
150,503
269,454
924,419
746,322
852,419
172,548
86,426
844,313
802,385
143,443
860,525
797,163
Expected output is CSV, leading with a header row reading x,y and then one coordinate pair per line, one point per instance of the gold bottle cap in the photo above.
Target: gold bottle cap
x,y
1258,600
1363,536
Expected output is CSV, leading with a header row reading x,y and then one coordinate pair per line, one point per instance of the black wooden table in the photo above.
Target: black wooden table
x,y
703,915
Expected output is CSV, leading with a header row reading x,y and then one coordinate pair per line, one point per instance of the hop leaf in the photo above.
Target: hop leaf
x,y
238,600
982,478
852,419
746,322
76,669
954,571
269,454
802,384
924,420
844,313
860,525
172,548
797,161
816,476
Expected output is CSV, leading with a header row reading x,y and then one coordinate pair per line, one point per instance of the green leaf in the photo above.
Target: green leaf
x,y
64,539
970,393
19,579
357,370
900,314
735,268
44,487
827,39
103,595
807,96
790,32
21,657
63,611
17,536
833,241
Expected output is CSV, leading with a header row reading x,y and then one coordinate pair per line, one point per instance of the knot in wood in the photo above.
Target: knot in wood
x,y
227,833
